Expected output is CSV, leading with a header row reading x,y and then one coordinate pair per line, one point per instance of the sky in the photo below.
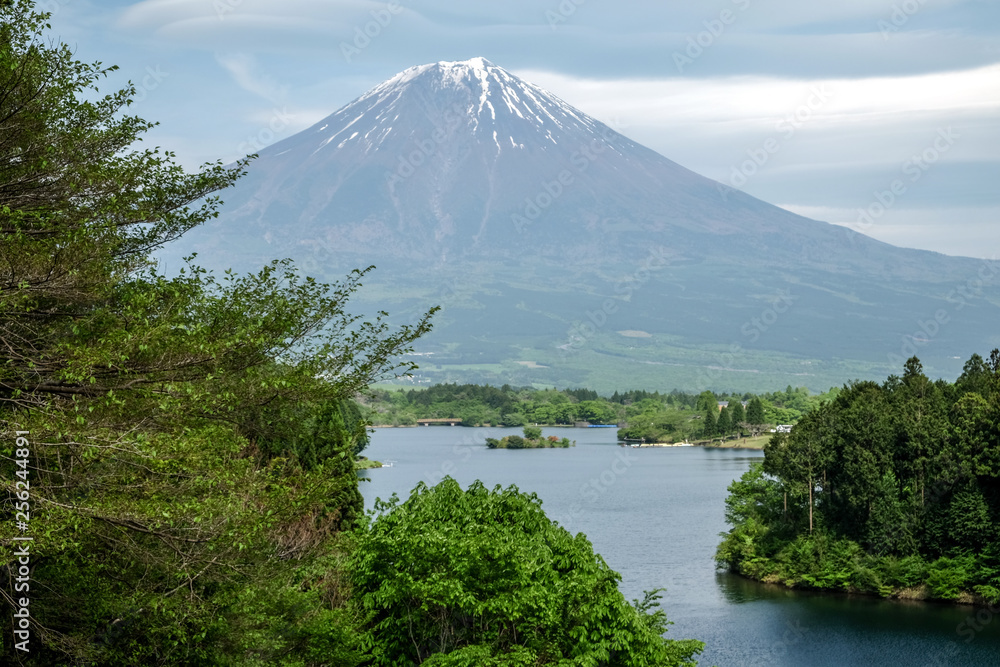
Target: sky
x,y
881,115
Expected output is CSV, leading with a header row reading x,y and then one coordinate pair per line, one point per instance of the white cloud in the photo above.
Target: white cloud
x,y
244,70
960,231
749,99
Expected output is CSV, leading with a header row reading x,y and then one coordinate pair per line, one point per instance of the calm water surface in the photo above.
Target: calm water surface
x,y
655,516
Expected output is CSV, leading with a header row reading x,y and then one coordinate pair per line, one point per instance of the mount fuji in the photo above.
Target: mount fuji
x,y
565,253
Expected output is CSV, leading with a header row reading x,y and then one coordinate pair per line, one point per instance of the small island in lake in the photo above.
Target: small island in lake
x,y
532,440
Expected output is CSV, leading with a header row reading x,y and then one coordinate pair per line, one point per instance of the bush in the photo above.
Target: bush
x,y
946,578
483,577
515,442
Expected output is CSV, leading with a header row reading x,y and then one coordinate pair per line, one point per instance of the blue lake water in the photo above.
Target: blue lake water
x,y
655,515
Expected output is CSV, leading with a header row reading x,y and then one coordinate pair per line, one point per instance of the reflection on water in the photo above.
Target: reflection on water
x,y
654,514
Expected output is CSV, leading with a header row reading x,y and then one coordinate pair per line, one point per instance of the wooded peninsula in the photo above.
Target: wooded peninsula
x,y
889,489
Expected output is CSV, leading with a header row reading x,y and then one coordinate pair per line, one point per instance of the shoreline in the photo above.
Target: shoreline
x,y
912,595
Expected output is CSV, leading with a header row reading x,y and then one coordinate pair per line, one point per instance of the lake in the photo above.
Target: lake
x,y
655,514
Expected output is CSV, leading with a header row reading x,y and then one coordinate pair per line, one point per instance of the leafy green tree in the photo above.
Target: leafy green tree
x,y
480,577
596,412
192,438
513,419
883,488
706,400
532,432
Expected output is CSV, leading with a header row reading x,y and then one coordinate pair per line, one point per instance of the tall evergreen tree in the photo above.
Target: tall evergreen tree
x,y
755,412
903,472
708,429
724,425
737,414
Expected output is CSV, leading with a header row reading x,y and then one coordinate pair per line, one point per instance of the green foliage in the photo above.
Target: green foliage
x,y
883,488
947,577
654,426
649,416
709,427
191,438
724,425
484,577
532,432
737,414
538,442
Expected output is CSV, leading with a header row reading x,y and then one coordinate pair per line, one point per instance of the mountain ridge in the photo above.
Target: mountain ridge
x,y
460,172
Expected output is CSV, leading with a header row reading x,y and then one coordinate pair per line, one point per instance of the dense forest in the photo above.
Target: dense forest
x,y
176,453
891,489
649,416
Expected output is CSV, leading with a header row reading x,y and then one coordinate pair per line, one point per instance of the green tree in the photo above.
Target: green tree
x,y
480,577
883,488
706,400
737,415
532,432
755,412
708,425
595,412
724,425
192,438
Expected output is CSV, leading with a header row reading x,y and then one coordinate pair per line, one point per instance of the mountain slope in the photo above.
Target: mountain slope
x,y
467,185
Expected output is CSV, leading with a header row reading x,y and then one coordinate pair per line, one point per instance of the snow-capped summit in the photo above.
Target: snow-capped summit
x,y
453,158
461,173
464,159
494,103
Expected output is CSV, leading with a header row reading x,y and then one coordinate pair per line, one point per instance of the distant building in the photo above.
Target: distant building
x,y
723,404
783,428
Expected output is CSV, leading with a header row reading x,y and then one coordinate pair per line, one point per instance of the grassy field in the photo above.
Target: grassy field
x,y
734,443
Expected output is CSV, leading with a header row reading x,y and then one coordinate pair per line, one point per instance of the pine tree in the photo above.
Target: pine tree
x,y
737,415
755,412
724,425
708,428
